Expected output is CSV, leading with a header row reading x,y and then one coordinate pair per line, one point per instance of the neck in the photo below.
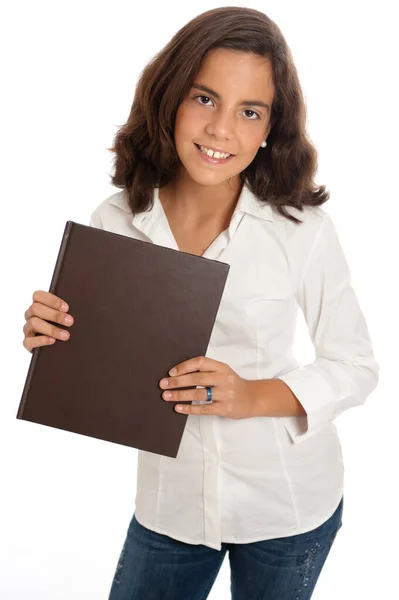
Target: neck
x,y
194,204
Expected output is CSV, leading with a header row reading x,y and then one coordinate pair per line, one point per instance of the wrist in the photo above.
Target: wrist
x,y
258,391
274,398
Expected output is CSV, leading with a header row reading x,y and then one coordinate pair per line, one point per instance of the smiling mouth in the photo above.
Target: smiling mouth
x,y
199,148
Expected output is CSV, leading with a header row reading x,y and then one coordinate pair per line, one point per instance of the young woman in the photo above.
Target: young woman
x,y
259,474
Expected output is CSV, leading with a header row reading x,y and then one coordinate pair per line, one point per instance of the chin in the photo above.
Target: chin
x,y
207,178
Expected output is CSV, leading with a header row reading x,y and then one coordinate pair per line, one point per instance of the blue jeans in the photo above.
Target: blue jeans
x,y
153,566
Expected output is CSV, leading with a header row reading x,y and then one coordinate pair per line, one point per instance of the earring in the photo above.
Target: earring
x,y
264,144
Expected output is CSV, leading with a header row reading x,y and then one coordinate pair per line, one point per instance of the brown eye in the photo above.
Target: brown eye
x,y
202,97
252,111
247,110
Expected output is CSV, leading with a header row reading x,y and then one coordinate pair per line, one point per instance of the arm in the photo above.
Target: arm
x,y
95,220
273,398
345,371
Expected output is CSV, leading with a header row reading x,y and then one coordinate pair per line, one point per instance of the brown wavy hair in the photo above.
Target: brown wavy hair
x,y
145,154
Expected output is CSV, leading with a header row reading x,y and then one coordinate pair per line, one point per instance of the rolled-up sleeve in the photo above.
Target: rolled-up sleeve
x,y
345,371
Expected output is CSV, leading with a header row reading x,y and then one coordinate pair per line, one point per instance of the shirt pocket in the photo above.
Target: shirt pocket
x,y
260,305
271,316
270,305
257,300
265,289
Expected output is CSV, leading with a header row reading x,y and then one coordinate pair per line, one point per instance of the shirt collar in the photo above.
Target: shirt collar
x,y
247,203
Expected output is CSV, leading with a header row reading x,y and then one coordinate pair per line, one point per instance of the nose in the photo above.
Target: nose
x,y
221,124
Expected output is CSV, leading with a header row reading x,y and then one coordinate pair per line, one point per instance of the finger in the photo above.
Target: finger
x,y
199,378
29,343
43,311
200,409
192,394
50,300
36,325
45,306
199,363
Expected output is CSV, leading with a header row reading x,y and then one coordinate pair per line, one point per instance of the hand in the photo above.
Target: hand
x,y
45,306
230,393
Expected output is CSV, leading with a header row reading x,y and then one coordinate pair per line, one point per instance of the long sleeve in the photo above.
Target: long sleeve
x,y
344,372
95,220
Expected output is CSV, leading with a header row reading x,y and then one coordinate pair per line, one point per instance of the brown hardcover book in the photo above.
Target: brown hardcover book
x,y
139,309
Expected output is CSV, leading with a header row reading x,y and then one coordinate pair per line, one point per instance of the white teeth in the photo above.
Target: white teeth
x,y
214,154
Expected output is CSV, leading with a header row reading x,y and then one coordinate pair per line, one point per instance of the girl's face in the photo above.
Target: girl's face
x,y
221,117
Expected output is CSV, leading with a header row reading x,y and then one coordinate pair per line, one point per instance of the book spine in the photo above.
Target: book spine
x,y
36,351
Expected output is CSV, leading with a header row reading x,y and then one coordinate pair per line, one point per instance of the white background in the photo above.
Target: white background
x,y
70,74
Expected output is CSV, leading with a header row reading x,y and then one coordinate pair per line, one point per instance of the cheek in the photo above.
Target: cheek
x,y
188,121
249,147
251,137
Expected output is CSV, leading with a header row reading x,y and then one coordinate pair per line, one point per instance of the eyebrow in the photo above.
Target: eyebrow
x,y
208,90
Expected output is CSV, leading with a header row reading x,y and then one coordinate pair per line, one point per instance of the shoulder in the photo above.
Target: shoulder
x,y
300,240
308,214
312,221
118,200
111,210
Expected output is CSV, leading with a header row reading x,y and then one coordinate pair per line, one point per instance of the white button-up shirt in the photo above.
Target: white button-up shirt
x,y
258,478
